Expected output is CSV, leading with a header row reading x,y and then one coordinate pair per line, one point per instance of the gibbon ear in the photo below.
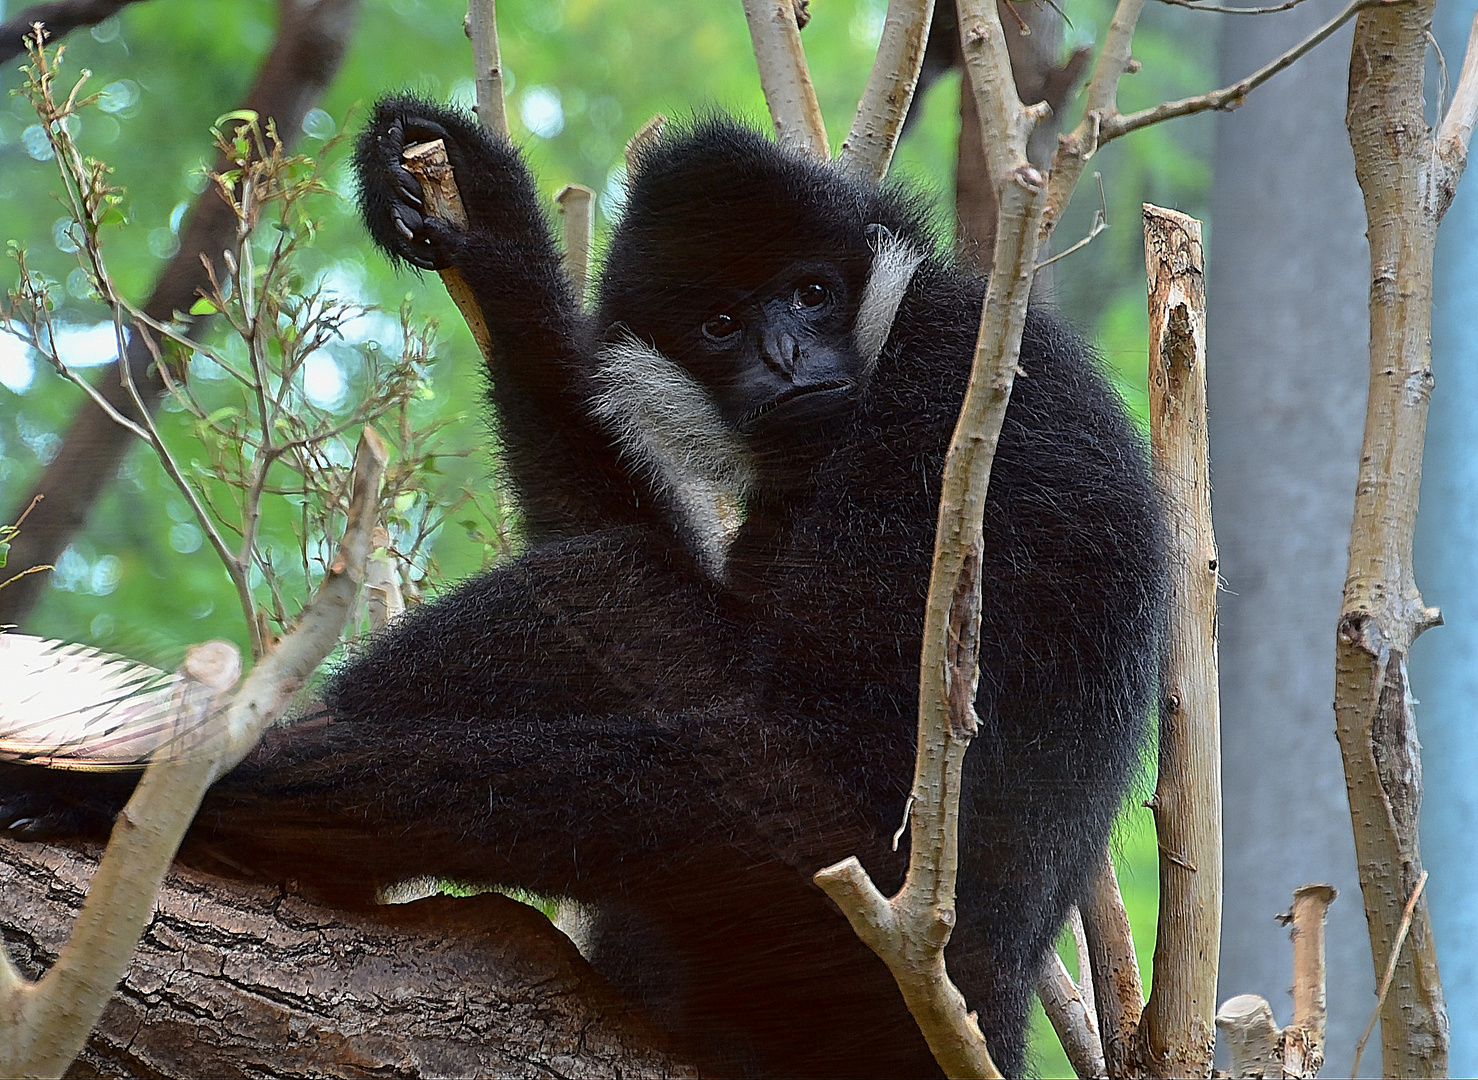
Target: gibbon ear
x,y
893,265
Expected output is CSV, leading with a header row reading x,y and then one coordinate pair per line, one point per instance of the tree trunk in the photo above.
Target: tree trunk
x,y
235,980
1444,663
1288,321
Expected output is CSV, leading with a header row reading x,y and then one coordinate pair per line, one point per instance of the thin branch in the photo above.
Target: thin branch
x,y
1100,222
50,1019
1230,97
1117,989
1456,130
1385,983
1078,146
1070,1011
784,76
868,148
482,27
1194,6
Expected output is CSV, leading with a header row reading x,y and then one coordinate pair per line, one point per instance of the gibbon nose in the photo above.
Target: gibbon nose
x,y
781,352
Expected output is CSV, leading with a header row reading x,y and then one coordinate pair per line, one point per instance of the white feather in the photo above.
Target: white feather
x,y
73,707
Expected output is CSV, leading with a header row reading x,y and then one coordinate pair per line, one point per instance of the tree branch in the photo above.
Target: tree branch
x,y
1117,990
482,27
50,1019
1072,1017
784,76
238,979
1382,612
1230,97
1456,131
868,148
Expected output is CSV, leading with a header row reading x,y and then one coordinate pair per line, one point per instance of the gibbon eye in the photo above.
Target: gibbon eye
x,y
812,295
720,327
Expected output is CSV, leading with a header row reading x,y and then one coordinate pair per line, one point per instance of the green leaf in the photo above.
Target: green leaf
x,y
204,306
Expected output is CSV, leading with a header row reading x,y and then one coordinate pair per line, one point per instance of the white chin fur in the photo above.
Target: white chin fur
x,y
892,269
664,420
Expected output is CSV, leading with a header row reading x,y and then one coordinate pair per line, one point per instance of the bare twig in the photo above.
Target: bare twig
x,y
1230,97
1100,222
1076,147
1194,5
481,25
868,148
1456,131
1177,1031
1303,1040
784,76
575,202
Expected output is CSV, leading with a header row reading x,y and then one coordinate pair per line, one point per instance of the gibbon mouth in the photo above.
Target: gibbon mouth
x,y
752,418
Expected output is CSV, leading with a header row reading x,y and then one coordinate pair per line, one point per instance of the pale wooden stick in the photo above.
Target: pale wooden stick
x,y
868,148
575,203
1117,990
482,27
428,163
1179,1019
1252,1037
1303,1040
1070,1011
784,76
646,135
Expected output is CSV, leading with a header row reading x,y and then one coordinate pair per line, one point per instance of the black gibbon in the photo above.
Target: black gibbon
x,y
680,718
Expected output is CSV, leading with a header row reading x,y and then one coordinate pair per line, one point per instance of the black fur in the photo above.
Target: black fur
x,y
605,720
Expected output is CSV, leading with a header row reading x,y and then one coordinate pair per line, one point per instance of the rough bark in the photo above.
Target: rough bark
x,y
235,980
310,43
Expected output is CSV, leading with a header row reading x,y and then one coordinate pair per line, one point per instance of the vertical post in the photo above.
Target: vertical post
x,y
1178,1029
